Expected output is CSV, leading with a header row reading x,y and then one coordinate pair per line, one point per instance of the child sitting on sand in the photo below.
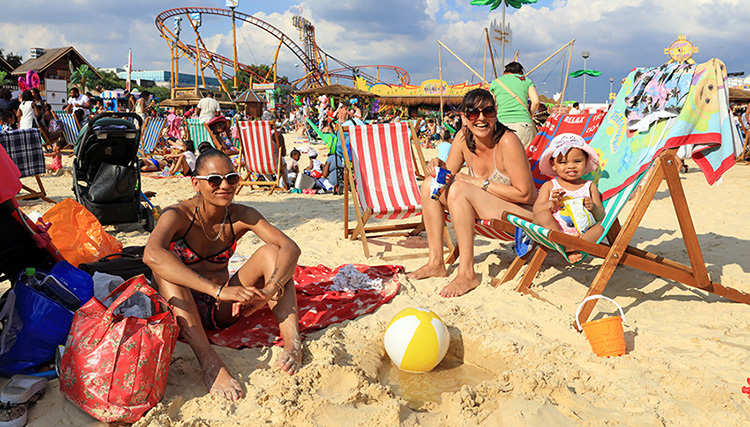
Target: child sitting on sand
x,y
56,163
569,203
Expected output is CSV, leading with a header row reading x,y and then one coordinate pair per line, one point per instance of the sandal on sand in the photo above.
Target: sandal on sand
x,y
22,388
13,416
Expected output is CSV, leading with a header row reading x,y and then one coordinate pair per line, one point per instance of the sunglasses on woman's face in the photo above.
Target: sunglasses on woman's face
x,y
472,113
215,179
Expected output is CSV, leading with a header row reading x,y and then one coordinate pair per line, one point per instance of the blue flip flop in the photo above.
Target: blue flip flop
x,y
523,242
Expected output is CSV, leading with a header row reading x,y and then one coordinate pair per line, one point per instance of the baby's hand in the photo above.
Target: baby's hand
x,y
556,198
588,203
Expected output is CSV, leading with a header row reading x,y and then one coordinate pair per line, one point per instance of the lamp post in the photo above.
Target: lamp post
x,y
611,80
585,54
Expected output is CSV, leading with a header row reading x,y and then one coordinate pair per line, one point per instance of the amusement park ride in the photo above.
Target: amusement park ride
x,y
320,67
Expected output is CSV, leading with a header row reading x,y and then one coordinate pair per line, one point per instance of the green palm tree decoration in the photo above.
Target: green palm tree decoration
x,y
496,3
4,78
82,74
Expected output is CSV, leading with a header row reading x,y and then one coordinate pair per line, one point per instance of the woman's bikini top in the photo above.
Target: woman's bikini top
x,y
496,176
188,255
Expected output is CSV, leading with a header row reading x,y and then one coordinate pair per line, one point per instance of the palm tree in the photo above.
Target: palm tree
x,y
81,75
3,78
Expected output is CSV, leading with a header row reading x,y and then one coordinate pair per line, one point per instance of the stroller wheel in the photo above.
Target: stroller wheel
x,y
149,221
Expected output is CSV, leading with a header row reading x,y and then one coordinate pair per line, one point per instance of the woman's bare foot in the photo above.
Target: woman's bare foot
x,y
574,257
428,270
291,359
219,381
459,286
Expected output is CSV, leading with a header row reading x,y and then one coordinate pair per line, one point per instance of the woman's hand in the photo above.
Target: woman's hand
x,y
435,162
239,296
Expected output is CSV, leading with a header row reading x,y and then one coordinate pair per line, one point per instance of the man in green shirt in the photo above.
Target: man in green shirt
x,y
512,94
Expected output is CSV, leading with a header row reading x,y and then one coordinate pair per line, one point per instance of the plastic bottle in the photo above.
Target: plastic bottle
x,y
33,279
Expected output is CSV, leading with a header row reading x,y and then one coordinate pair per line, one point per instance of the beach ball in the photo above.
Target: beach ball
x,y
416,340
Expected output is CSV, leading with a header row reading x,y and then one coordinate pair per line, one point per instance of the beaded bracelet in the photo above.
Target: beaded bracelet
x,y
219,293
280,292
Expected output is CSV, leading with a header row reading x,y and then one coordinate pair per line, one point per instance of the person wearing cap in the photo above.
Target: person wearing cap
x,y
567,158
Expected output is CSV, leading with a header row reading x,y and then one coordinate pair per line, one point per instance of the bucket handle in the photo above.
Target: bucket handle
x,y
592,297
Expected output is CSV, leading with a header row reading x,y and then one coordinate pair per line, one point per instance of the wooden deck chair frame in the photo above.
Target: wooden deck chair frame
x,y
619,250
417,155
494,229
363,214
144,135
78,131
32,193
246,181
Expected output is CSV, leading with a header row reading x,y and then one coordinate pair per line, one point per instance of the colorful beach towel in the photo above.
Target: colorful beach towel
x,y
585,124
319,306
657,93
704,121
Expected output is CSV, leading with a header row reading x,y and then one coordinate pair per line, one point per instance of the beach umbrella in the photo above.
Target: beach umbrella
x,y
579,73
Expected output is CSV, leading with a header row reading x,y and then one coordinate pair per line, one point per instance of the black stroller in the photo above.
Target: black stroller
x,y
106,175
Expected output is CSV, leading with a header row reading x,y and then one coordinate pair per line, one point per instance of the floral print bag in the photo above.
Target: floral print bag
x,y
115,368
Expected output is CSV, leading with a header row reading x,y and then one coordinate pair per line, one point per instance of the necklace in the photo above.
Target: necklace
x,y
203,224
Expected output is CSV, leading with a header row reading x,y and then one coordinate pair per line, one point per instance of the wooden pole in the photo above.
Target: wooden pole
x,y
234,44
504,38
567,74
492,56
551,56
484,68
462,61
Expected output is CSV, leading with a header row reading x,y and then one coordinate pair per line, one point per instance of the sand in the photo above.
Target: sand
x,y
687,351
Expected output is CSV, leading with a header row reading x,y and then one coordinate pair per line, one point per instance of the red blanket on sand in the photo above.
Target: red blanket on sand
x,y
317,308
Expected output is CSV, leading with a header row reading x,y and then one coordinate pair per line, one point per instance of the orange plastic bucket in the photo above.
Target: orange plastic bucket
x,y
605,335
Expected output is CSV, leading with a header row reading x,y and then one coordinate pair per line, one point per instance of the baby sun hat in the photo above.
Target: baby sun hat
x,y
561,144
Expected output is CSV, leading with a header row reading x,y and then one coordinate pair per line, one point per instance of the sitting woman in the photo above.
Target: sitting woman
x,y
182,157
498,180
189,252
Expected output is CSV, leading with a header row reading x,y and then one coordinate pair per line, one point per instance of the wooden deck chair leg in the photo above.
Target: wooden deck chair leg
x,y
622,241
346,203
513,270
419,162
452,248
677,194
360,231
535,263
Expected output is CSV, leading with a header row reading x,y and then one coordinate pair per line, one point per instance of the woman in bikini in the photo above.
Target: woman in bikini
x,y
189,251
498,180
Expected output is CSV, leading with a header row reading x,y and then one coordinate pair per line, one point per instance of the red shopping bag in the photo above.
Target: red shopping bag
x,y
115,368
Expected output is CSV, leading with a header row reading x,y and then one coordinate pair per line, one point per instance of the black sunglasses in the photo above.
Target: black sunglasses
x,y
215,179
472,113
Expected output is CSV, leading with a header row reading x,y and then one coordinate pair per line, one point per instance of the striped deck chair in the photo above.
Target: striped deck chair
x,y
199,132
649,157
258,154
380,175
151,134
71,127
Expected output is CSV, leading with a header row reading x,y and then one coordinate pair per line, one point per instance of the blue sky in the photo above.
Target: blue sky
x,y
619,35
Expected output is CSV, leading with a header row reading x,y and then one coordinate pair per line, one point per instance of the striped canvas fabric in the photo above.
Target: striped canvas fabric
x,y
70,127
483,227
384,170
198,133
151,133
258,146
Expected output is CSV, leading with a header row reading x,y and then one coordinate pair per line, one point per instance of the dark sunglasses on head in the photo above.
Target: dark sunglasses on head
x,y
472,113
215,179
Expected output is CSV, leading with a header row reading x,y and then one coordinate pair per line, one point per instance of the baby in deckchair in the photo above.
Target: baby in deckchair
x,y
568,202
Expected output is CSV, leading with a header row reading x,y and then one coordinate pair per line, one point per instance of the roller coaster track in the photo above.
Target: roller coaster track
x,y
315,75
224,61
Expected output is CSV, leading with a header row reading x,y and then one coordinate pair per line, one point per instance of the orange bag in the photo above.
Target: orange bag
x,y
77,233
115,368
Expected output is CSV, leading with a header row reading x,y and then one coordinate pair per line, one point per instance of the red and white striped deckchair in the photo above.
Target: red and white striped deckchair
x,y
259,154
380,175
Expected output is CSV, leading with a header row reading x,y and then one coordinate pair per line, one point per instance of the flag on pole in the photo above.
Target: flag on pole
x,y
130,68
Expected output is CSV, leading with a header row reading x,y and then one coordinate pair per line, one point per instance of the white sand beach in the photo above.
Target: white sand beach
x,y
513,360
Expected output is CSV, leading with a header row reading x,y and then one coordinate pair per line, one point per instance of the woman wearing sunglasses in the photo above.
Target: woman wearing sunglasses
x,y
497,179
189,251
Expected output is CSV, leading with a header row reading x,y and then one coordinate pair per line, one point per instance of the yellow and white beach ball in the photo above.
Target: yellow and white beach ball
x,y
416,340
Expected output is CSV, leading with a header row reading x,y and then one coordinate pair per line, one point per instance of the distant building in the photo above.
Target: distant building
x,y
4,66
53,63
162,78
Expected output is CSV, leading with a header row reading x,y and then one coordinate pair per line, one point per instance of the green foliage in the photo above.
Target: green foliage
x,y
81,76
158,91
496,3
14,60
108,81
4,78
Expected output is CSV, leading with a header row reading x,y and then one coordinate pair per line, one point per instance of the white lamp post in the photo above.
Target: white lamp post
x,y
585,54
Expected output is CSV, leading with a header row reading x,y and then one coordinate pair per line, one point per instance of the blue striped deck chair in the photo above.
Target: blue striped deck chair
x,y
648,157
151,134
71,127
199,132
